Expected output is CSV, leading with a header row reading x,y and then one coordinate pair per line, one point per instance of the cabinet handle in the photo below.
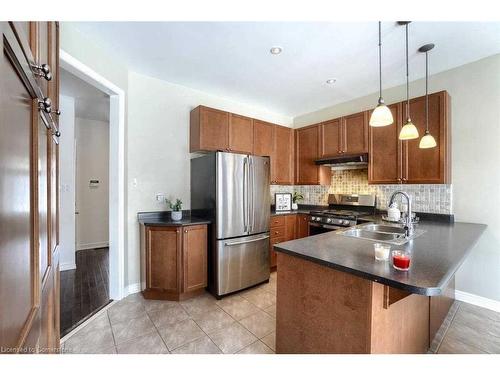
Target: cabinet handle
x,y
42,70
45,105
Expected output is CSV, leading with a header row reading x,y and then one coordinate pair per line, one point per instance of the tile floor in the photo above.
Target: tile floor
x,y
244,323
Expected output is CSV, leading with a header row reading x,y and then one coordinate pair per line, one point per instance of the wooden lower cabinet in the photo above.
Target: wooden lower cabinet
x,y
284,228
173,261
302,229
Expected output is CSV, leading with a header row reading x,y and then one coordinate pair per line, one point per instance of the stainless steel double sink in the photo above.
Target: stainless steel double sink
x,y
388,233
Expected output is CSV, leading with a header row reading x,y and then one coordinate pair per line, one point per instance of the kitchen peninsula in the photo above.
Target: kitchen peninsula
x,y
334,297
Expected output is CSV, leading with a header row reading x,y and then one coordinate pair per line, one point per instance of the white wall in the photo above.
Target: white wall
x,y
92,203
475,117
67,183
158,146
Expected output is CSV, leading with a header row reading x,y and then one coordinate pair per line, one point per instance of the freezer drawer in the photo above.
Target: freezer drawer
x,y
241,263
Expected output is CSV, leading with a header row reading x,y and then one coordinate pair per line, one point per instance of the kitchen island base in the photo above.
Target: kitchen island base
x,y
323,310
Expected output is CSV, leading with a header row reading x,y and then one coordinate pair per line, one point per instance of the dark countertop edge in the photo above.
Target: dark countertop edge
x,y
162,218
434,291
426,291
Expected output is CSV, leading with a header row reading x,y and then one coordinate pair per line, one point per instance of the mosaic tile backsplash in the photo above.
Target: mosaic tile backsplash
x,y
425,198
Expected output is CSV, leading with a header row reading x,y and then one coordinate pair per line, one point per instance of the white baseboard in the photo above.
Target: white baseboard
x,y
474,299
133,288
93,245
67,266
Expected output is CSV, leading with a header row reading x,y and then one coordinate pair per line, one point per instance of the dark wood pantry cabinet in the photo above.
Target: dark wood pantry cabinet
x,y
29,162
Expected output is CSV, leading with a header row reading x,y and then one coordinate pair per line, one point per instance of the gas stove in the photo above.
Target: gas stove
x,y
344,211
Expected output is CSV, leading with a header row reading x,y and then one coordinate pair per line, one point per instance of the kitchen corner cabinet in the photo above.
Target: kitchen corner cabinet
x,y
392,161
282,158
173,261
307,150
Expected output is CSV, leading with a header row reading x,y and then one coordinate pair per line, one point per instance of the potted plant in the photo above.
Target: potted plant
x,y
176,208
295,200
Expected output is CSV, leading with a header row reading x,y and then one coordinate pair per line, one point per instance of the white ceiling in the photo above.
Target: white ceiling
x,y
232,59
90,103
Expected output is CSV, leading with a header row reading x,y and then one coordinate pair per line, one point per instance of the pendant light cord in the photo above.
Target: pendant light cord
x,y
380,57
427,91
407,78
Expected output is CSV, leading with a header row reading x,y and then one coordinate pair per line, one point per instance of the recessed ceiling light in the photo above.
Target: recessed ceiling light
x,y
331,81
276,50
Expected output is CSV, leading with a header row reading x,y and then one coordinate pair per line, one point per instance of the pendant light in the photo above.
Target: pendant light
x,y
427,140
381,115
409,130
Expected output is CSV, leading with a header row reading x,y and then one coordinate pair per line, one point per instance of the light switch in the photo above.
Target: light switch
x,y
134,182
160,197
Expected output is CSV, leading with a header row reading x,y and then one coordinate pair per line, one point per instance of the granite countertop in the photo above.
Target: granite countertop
x,y
436,255
163,218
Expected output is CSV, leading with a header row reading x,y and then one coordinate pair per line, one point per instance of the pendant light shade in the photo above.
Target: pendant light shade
x,y
381,115
409,130
427,140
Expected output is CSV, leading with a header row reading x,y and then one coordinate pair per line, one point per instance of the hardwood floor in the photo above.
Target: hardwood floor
x,y
84,290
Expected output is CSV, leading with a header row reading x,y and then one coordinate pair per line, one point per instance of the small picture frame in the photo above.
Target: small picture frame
x,y
283,201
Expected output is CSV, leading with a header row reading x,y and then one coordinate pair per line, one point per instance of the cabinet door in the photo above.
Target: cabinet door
x,y
282,156
209,130
431,165
240,134
302,226
355,133
194,257
272,254
385,150
331,138
307,153
263,138
163,258
290,227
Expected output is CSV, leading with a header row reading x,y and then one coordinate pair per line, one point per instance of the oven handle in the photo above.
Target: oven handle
x,y
326,226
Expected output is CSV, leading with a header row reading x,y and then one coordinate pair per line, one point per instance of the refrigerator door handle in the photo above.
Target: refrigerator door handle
x,y
245,194
243,242
252,182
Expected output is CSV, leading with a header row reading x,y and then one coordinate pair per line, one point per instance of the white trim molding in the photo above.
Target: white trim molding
x,y
67,266
474,299
117,228
134,288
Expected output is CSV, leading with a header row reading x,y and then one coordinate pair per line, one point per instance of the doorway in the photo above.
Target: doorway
x,y
92,193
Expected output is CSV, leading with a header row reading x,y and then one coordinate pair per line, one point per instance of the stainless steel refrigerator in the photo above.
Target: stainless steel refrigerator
x,y
233,191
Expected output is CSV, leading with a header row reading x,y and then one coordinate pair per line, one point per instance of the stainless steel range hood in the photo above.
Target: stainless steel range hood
x,y
342,162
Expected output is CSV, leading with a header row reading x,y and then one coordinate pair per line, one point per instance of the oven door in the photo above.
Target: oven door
x,y
317,228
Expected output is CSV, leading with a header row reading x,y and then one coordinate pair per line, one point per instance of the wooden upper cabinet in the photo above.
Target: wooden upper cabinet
x,y
163,258
209,130
263,141
385,151
307,143
355,133
331,138
194,257
240,134
432,165
282,158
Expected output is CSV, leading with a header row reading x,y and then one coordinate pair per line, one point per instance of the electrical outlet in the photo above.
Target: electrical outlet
x,y
160,197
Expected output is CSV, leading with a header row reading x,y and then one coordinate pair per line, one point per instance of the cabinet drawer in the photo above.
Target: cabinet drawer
x,y
278,232
277,221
